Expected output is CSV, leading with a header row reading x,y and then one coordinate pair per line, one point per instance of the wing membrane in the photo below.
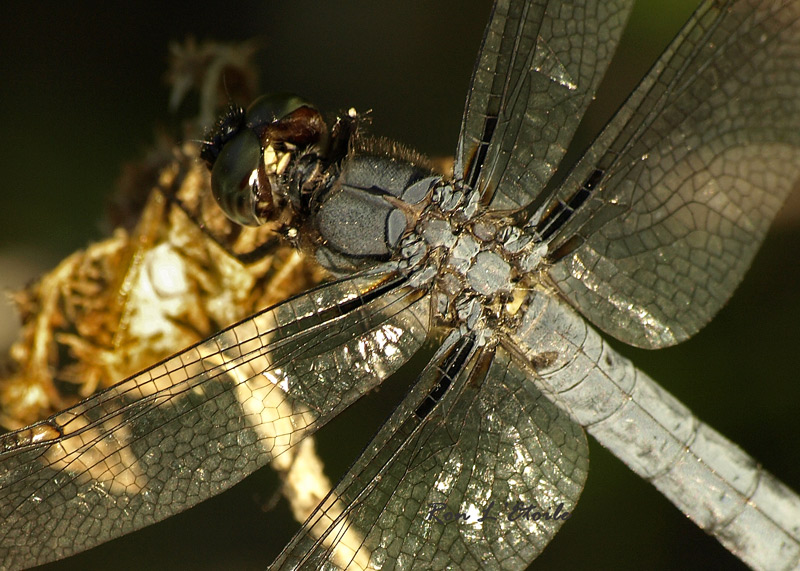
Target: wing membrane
x,y
200,421
474,438
537,71
686,179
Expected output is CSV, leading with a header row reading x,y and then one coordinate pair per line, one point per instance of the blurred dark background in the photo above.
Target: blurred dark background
x,y
82,91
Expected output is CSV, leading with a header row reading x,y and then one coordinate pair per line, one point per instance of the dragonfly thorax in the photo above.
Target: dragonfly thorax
x,y
371,205
469,259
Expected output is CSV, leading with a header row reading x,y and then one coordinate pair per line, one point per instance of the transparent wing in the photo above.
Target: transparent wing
x,y
200,421
537,71
476,469
680,188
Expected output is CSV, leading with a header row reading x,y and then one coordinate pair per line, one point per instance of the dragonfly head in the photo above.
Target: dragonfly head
x,y
251,154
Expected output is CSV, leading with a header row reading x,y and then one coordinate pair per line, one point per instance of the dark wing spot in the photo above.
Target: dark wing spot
x,y
544,360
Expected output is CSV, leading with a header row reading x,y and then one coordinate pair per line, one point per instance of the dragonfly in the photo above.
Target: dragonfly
x,y
543,362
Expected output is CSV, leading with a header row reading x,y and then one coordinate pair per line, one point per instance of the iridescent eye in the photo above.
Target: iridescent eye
x,y
250,152
273,107
235,179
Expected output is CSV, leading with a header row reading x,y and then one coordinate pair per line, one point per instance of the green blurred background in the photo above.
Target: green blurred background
x,y
82,90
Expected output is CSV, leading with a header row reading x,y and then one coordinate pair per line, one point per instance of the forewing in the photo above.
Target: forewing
x,y
537,71
200,421
464,483
680,188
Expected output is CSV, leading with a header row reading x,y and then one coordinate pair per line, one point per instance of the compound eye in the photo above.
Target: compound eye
x,y
251,154
273,107
237,182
